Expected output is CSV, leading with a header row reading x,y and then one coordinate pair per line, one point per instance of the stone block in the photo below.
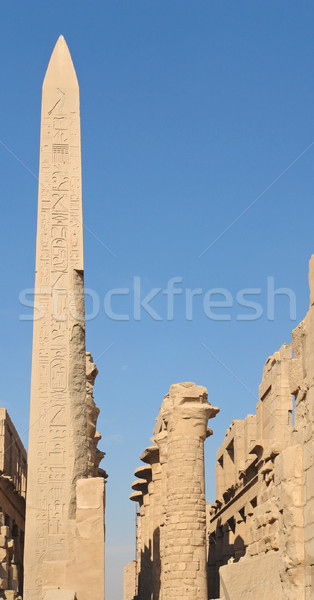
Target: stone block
x,y
5,531
264,496
275,541
60,595
10,595
309,551
289,464
261,546
296,576
254,548
309,532
293,516
90,493
290,496
256,578
295,549
3,554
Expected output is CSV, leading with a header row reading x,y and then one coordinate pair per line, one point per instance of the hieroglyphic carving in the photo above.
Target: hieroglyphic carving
x,y
59,255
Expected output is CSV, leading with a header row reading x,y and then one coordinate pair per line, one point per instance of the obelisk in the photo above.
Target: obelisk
x,y
57,435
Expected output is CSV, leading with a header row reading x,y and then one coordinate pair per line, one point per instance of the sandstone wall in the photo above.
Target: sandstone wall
x,y
260,529
13,470
129,581
264,512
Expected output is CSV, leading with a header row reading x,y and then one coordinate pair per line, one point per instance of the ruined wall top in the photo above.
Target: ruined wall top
x,y
13,457
91,369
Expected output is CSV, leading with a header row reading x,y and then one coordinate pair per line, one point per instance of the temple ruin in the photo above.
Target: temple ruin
x,y
13,474
263,518
255,542
259,534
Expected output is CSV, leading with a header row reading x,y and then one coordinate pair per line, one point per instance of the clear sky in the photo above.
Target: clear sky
x,y
192,112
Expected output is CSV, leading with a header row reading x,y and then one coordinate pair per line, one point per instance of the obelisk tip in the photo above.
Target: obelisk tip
x,y
60,69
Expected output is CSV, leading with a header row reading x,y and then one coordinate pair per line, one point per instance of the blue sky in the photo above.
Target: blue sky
x,y
191,112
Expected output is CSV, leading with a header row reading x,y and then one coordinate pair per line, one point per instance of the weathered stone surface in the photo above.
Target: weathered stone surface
x,y
172,526
129,581
257,579
60,595
185,411
64,543
274,492
90,494
13,468
93,436
57,441
260,529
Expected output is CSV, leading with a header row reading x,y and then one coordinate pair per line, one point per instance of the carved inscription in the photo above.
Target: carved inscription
x,y
58,247
55,453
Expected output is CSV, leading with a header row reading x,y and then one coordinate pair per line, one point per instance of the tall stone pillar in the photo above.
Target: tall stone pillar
x,y
186,411
145,571
59,506
161,440
151,456
137,497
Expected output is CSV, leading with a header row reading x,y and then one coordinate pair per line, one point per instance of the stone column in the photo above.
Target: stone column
x,y
144,574
151,456
138,498
161,440
186,411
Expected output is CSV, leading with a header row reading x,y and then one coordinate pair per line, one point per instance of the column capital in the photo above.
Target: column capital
x,y
186,410
150,455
